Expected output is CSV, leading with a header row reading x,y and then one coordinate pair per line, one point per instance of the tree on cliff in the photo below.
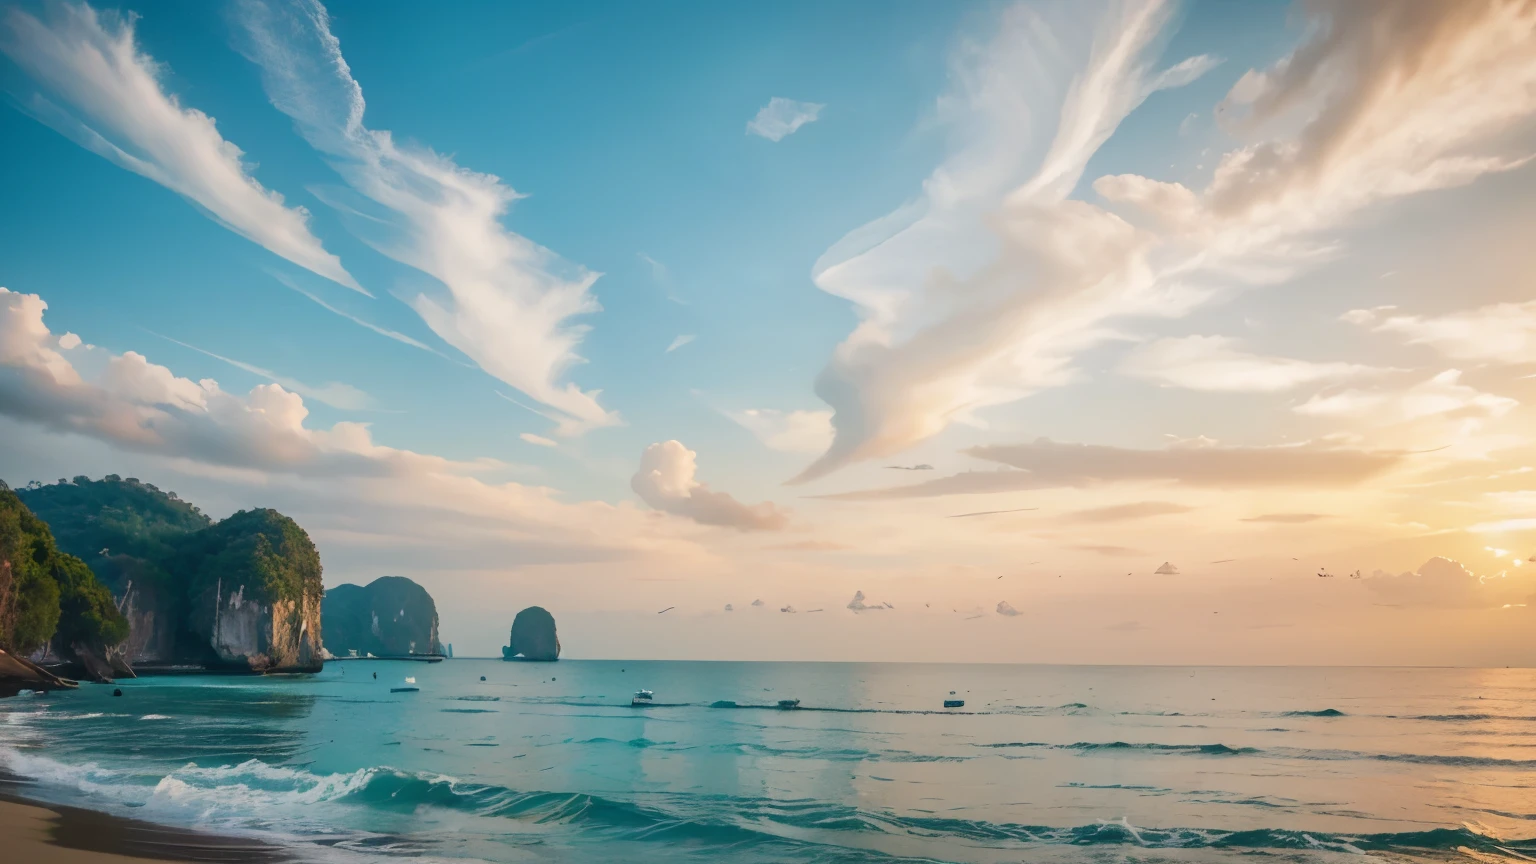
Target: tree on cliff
x,y
46,594
124,529
260,549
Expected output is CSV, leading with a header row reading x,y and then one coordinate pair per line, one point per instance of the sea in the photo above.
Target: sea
x,y
548,762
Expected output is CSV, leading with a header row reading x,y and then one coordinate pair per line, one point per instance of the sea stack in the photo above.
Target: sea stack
x,y
533,636
390,616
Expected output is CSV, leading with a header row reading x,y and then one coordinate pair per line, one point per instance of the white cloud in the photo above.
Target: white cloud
x,y
787,431
1503,333
781,117
1046,464
507,302
382,331
1443,394
678,343
1216,363
382,503
538,440
1444,583
1006,609
93,63
985,288
666,482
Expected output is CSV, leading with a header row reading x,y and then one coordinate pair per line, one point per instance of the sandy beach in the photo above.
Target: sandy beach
x,y
38,833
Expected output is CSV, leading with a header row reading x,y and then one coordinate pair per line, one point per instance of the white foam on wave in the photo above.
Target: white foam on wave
x,y
154,717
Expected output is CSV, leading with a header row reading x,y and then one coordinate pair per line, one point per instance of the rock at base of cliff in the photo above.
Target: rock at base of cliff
x,y
533,636
19,673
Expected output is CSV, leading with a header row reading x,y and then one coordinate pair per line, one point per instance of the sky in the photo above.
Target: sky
x,y
1098,332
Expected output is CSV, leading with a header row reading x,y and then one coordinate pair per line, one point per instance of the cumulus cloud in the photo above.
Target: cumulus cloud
x,y
1503,333
666,482
1216,363
1445,583
506,301
119,110
787,431
1440,395
1006,609
781,117
987,286
386,504
1046,464
1167,569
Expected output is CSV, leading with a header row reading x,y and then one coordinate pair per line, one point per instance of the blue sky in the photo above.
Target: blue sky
x,y
1170,296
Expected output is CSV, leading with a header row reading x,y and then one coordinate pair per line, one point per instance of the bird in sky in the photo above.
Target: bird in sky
x,y
666,610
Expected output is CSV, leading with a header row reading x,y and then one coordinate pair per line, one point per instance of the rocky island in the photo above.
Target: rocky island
x,y
391,616
533,636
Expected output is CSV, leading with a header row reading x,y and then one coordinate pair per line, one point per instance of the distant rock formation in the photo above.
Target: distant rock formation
x,y
533,636
389,616
19,673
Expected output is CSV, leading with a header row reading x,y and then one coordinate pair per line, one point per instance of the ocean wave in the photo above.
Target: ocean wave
x,y
232,795
1450,760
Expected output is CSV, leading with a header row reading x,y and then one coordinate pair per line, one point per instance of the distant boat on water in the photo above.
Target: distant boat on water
x,y
789,703
410,687
954,703
642,698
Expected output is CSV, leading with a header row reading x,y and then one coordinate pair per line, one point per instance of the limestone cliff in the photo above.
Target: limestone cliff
x,y
533,636
389,616
254,593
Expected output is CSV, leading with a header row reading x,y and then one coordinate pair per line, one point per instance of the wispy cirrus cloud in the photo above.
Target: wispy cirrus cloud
x,y
1503,333
1046,464
678,343
787,431
507,302
986,287
334,394
781,118
118,108
1218,363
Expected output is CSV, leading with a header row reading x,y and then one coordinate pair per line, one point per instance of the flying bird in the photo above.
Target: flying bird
x,y
666,610
991,512
1355,575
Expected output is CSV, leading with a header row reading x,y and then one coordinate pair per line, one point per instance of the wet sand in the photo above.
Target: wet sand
x,y
39,833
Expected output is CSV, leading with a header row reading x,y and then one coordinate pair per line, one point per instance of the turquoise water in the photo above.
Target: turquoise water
x,y
549,763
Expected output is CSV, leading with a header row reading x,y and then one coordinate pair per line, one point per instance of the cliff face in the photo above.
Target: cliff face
x,y
389,616
533,636
254,593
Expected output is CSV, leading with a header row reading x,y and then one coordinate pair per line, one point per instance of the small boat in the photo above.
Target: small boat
x,y
954,703
787,704
642,698
410,687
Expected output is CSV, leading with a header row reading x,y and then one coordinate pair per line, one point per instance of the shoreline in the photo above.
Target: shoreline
x,y
41,832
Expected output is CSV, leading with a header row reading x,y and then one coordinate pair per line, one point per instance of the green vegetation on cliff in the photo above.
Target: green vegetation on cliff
x,y
125,529
261,549
46,594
